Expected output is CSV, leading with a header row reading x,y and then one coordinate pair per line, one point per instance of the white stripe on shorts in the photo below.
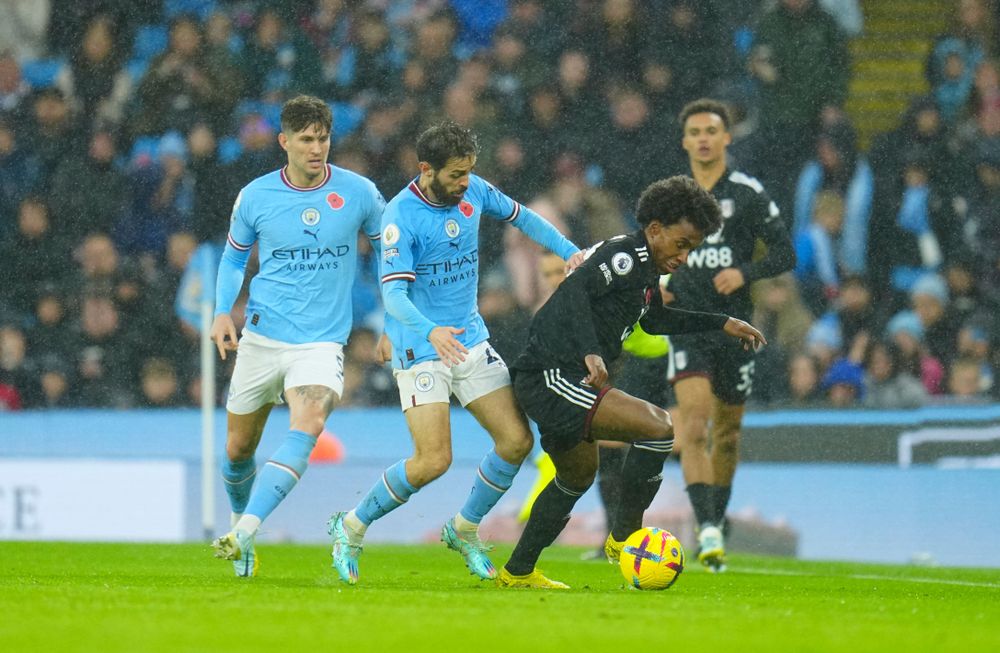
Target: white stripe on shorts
x,y
550,384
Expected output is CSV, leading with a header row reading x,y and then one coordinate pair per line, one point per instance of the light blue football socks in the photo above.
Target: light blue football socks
x,y
389,492
493,479
238,478
278,476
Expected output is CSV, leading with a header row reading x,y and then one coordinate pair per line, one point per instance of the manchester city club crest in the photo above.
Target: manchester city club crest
x,y
424,381
451,228
310,217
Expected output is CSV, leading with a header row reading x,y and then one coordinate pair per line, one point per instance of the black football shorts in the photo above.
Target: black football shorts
x,y
717,356
560,404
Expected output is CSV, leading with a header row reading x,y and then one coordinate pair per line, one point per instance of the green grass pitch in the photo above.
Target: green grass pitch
x,y
58,597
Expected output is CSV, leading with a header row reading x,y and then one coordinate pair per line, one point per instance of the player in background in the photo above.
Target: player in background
x,y
561,378
440,346
304,219
712,375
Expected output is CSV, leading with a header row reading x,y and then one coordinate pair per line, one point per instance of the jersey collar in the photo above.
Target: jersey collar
x,y
415,189
301,189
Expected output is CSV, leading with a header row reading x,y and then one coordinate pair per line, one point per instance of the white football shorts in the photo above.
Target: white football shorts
x,y
429,382
265,368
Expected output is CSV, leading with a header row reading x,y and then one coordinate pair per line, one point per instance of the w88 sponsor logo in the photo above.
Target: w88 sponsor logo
x,y
711,257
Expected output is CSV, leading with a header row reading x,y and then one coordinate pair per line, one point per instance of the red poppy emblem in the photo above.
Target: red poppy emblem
x,y
465,208
335,201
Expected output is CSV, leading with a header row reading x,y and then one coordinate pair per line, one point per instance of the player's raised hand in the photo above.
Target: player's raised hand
x,y
750,336
575,261
729,281
224,334
598,373
448,348
383,350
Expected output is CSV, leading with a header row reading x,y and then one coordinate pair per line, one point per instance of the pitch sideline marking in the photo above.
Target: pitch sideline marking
x,y
932,581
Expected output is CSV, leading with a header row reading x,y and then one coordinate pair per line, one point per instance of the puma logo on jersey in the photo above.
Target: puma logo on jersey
x,y
312,233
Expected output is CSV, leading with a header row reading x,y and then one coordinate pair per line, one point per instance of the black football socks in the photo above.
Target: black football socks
x,y
642,474
549,516
609,480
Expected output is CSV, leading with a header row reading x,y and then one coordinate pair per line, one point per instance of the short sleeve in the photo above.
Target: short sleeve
x,y
242,231
399,247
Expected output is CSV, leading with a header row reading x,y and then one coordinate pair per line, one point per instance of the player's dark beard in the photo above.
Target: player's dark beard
x,y
441,194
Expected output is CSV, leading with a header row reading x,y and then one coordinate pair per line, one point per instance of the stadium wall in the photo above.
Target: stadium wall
x,y
832,477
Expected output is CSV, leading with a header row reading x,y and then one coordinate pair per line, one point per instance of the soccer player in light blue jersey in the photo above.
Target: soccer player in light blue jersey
x,y
305,220
439,343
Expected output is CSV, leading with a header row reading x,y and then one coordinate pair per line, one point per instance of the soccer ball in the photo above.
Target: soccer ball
x,y
651,559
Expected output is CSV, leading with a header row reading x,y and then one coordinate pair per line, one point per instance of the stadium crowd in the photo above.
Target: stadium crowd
x,y
128,128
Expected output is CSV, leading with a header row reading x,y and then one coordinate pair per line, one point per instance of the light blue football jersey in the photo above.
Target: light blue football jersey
x,y
307,243
435,247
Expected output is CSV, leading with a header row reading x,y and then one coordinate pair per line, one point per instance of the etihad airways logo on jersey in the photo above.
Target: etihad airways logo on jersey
x,y
451,271
311,258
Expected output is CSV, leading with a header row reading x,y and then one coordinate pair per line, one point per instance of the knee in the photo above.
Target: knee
x,y
692,428
514,450
726,437
427,468
579,479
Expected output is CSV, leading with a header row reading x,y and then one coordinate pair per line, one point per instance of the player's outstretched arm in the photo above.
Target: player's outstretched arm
x,y
750,336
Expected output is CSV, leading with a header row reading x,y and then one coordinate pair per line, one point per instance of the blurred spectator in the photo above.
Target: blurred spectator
x,y
54,382
906,333
844,384
856,310
911,236
630,157
259,153
367,382
159,384
521,257
180,88
19,172
839,167
801,61
956,54
965,381
35,252
96,79
213,195
929,299
433,49
579,98
921,136
591,214
507,322
18,379
53,135
105,360
162,197
817,266
888,385
374,60
90,190
615,38
13,89
102,271
780,313
824,341
23,26
694,53
803,382
51,337
974,345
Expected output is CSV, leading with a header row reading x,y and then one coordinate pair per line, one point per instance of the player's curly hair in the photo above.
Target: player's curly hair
x,y
446,140
668,201
304,110
705,105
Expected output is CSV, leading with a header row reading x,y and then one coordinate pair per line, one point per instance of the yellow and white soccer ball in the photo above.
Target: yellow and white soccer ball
x,y
652,559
